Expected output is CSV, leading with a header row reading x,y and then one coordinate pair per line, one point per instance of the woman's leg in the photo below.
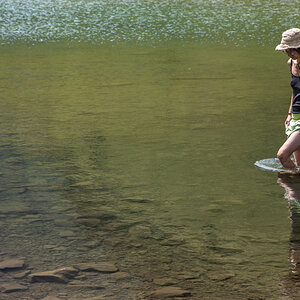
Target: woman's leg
x,y
297,156
291,145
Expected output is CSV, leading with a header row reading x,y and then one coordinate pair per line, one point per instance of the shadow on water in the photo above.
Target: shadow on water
x,y
291,184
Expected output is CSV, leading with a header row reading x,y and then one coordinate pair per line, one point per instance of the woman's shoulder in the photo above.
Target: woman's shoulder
x,y
289,62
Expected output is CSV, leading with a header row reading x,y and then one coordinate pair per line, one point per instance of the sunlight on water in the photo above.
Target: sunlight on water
x,y
223,22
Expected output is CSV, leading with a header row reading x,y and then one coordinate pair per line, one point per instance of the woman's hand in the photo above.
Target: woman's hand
x,y
288,120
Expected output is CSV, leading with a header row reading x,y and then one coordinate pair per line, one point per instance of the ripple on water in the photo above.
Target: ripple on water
x,y
103,21
273,164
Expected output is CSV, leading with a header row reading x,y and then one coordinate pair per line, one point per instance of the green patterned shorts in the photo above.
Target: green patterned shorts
x,y
294,125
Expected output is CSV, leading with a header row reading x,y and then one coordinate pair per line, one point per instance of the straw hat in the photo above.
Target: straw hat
x,y
290,39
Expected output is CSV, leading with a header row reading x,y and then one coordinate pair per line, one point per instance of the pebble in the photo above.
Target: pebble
x,y
12,264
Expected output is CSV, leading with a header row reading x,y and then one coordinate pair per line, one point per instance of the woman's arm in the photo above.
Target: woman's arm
x,y
289,117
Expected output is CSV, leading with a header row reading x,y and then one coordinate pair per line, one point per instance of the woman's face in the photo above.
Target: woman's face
x,y
293,54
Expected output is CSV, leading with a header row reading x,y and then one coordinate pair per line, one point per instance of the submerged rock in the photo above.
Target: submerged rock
x,y
61,275
12,264
89,222
67,233
21,275
121,275
170,292
48,277
164,281
12,287
220,275
103,267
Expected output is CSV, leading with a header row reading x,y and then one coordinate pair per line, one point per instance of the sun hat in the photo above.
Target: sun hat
x,y
290,39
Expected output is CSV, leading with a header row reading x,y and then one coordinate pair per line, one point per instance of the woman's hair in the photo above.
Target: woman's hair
x,y
296,49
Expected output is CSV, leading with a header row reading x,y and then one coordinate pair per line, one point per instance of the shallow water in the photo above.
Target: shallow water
x,y
144,156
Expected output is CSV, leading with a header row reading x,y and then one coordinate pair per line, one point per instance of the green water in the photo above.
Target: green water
x,y
143,155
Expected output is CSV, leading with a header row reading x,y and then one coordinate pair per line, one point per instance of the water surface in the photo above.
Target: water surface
x,y
144,156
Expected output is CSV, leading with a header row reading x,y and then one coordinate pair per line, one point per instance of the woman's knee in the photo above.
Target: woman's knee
x,y
282,155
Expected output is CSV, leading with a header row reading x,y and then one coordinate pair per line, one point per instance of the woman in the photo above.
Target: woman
x,y
290,44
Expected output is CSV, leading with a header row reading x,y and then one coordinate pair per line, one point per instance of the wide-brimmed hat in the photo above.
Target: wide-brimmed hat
x,y
290,39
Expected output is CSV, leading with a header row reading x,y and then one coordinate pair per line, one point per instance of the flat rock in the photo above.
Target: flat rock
x,y
103,267
170,292
48,277
12,287
21,275
68,272
61,275
164,281
11,264
120,275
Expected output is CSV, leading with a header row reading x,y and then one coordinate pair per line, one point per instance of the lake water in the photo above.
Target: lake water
x,y
128,134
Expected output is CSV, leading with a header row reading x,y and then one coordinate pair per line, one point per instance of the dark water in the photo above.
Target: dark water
x,y
143,156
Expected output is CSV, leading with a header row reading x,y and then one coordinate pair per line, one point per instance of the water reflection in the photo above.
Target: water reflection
x,y
291,184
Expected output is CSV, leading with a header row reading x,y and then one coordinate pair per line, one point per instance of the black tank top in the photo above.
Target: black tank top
x,y
295,84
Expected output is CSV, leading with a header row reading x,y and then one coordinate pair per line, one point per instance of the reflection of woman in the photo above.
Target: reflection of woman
x,y
290,44
291,184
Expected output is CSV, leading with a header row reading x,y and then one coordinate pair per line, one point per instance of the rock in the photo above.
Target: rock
x,y
137,200
173,241
21,275
68,272
170,292
92,244
220,275
61,248
188,276
121,275
103,267
12,287
48,277
49,246
164,281
66,233
51,298
61,275
11,264
89,222
75,282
